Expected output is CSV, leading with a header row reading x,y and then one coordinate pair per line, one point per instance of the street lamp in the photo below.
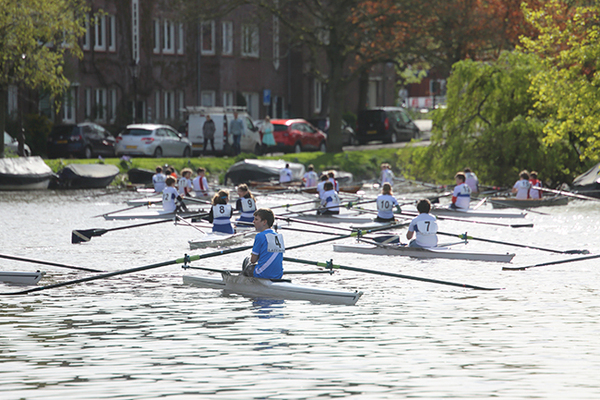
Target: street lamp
x,y
135,69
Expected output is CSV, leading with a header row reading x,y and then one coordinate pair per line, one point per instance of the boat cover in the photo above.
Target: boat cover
x,y
261,171
87,176
589,182
140,175
21,171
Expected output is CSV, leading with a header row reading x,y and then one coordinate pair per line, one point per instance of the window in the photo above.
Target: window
x,y
68,107
86,37
207,33
249,40
112,105
169,105
169,37
100,114
252,103
88,103
99,33
135,30
276,42
208,98
227,99
157,106
317,95
156,31
227,38
180,41
111,33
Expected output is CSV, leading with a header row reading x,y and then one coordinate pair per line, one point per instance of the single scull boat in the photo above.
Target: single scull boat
x,y
21,278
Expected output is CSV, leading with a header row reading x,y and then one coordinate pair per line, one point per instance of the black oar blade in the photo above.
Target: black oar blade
x,y
85,235
521,226
577,252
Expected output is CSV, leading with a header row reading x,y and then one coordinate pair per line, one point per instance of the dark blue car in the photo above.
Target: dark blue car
x,y
84,140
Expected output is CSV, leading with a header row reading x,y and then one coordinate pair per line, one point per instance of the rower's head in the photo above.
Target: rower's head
x,y
331,174
424,206
323,177
158,169
243,191
170,181
460,178
328,186
311,167
533,175
200,171
386,188
186,172
524,175
263,219
221,197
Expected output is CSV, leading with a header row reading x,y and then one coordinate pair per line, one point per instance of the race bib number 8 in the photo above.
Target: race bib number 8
x,y
275,243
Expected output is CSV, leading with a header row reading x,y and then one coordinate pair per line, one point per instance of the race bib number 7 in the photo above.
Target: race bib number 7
x,y
275,243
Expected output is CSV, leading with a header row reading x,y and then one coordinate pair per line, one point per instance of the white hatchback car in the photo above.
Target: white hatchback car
x,y
152,140
12,145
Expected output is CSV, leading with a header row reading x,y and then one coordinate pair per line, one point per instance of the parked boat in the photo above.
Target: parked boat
x,y
435,252
588,183
261,171
24,173
508,202
21,278
470,213
218,239
156,213
140,176
85,176
273,289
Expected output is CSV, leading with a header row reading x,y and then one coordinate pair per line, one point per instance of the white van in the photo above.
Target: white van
x,y
222,116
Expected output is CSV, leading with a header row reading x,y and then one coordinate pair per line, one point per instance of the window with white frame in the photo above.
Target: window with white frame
x,y
112,105
68,107
276,42
250,40
227,99
157,106
88,103
85,45
227,38
207,37
169,37
317,95
111,33
169,105
100,106
180,41
99,33
156,34
208,98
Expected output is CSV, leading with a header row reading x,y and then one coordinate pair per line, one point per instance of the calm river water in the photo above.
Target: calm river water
x,y
146,335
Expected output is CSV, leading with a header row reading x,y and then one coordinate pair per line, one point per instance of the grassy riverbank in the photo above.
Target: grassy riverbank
x,y
364,164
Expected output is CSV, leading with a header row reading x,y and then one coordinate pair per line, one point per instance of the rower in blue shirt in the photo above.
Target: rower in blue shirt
x,y
266,260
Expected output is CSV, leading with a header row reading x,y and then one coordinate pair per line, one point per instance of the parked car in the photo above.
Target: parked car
x,y
152,140
297,135
12,145
348,134
389,124
250,141
84,140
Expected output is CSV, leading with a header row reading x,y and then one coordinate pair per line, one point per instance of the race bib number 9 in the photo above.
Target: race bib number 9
x,y
427,227
275,243
248,205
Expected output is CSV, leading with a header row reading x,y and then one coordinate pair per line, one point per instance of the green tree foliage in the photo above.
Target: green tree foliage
x,y
35,36
566,88
490,125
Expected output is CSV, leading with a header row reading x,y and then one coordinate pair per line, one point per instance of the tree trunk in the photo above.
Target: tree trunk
x,y
363,87
337,99
3,105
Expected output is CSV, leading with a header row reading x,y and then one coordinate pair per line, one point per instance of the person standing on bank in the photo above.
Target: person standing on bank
x,y
385,204
461,197
425,226
522,187
158,180
267,134
236,129
208,131
266,259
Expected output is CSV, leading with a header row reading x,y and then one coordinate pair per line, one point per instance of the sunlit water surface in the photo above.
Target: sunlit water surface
x,y
145,335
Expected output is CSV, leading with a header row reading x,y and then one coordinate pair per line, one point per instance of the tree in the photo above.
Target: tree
x,y
566,88
35,36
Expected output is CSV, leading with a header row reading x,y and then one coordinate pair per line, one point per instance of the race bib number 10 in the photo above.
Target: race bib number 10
x,y
275,243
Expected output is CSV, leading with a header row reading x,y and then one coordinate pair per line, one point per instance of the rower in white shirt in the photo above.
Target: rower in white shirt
x,y
461,197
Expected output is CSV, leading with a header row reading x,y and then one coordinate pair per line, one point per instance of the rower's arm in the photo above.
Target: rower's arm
x,y
254,258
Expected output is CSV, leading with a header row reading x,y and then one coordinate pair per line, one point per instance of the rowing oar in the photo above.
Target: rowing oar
x,y
319,271
79,236
332,266
465,237
528,209
295,204
564,193
186,259
125,209
47,263
552,263
414,214
348,206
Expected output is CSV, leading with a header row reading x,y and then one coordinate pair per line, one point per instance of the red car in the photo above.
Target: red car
x,y
297,135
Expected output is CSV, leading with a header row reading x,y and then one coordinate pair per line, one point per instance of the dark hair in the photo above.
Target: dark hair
x,y
467,169
220,197
323,177
265,214
311,167
524,174
331,174
170,180
424,206
386,188
461,176
159,169
533,174
200,170
244,188
328,185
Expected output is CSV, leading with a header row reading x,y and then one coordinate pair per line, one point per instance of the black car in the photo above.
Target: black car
x,y
348,135
84,140
389,124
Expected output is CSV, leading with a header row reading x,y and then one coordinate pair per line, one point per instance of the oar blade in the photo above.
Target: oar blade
x,y
81,236
521,225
